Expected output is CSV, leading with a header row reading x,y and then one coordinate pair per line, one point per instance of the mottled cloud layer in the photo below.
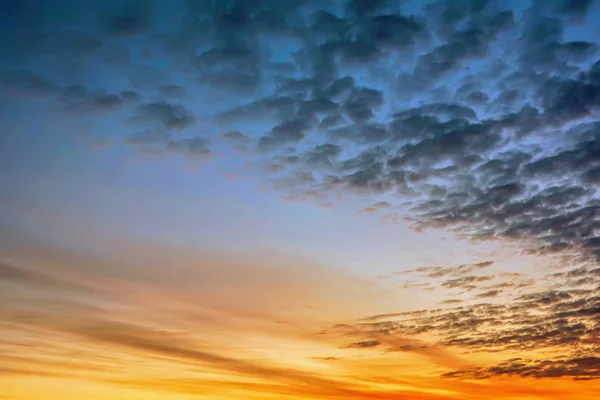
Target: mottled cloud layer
x,y
467,115
563,323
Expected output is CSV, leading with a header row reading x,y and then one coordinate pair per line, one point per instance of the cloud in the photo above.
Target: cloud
x,y
153,341
162,122
288,132
164,115
466,282
193,147
77,98
581,368
489,293
457,271
363,345
452,301
535,321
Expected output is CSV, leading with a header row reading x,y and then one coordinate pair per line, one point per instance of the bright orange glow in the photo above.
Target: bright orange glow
x,y
158,323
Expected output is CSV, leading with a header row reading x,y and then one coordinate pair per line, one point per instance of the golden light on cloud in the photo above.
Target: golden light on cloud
x,y
150,321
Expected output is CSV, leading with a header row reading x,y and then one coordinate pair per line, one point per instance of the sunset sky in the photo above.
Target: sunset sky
x,y
299,199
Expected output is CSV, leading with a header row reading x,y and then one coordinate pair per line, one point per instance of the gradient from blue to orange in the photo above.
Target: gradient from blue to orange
x,y
180,218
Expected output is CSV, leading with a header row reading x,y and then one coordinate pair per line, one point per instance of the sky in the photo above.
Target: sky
x,y
299,199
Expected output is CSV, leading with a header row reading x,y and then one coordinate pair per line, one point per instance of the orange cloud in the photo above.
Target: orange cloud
x,y
161,322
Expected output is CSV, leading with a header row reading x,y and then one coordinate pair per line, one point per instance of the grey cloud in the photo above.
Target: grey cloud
x,y
163,115
452,301
287,132
332,121
580,368
78,98
489,293
363,345
159,122
359,106
574,8
381,204
316,106
194,147
339,87
322,154
569,98
477,97
460,271
466,282
234,65
234,135
563,320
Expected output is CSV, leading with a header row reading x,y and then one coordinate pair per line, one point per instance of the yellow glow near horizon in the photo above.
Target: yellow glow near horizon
x,y
163,323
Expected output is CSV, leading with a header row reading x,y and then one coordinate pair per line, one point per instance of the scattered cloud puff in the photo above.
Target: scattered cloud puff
x,y
496,313
580,368
488,126
560,321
